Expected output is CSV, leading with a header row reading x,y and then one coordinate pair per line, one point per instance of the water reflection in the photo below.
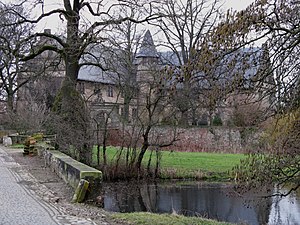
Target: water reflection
x,y
216,201
285,210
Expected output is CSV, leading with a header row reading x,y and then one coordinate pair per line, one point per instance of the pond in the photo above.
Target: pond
x,y
209,200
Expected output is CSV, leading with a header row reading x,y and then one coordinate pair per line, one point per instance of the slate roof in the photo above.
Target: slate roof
x,y
112,60
96,74
222,72
238,68
147,48
169,58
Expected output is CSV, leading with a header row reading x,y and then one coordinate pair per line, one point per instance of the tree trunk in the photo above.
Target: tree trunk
x,y
184,104
126,108
144,148
158,159
10,102
98,145
149,163
71,108
141,155
104,143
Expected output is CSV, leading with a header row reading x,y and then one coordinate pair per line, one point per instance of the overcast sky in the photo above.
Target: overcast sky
x,y
237,4
54,23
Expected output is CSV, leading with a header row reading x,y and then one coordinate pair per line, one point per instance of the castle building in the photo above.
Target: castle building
x,y
120,93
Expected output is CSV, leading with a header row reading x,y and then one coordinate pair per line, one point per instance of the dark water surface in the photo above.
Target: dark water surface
x,y
215,201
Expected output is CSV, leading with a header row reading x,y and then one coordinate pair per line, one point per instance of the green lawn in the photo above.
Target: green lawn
x,y
189,164
214,162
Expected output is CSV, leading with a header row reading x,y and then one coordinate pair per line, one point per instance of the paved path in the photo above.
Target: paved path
x,y
20,205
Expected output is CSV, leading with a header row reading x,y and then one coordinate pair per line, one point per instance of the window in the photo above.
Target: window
x,y
110,91
101,115
134,113
81,87
135,93
99,97
98,93
122,93
100,118
203,121
122,112
97,89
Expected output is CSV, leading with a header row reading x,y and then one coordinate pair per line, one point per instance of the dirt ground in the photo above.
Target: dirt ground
x,y
53,189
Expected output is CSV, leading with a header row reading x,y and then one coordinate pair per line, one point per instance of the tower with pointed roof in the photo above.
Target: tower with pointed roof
x,y
147,68
147,49
146,59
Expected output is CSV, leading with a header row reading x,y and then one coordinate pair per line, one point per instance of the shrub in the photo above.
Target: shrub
x,y
38,136
217,121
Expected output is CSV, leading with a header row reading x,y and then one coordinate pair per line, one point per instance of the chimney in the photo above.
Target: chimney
x,y
47,31
44,39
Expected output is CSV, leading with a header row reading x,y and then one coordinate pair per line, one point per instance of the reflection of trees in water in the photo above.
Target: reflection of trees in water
x,y
215,202
263,209
121,197
276,206
229,211
141,202
148,197
131,193
285,210
131,197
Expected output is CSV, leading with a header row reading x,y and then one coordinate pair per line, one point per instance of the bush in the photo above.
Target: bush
x,y
38,136
217,121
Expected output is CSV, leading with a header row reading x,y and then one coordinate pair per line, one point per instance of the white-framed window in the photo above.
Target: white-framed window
x,y
110,91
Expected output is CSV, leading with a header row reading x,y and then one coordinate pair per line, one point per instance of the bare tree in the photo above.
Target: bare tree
x,y
153,106
11,65
80,33
116,61
30,117
123,45
277,24
186,27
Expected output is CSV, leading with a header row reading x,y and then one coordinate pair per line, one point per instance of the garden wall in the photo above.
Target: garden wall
x,y
208,139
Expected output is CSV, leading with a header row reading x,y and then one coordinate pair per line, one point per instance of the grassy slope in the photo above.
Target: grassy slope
x,y
190,164
162,219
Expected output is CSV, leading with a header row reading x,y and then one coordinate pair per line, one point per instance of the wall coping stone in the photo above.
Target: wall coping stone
x,y
70,170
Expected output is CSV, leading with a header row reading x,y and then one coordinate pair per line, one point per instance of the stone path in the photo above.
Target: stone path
x,y
19,205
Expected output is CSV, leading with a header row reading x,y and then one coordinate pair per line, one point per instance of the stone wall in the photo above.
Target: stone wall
x,y
208,139
70,170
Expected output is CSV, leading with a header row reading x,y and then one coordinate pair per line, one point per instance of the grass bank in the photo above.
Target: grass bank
x,y
184,165
162,219
181,165
17,146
